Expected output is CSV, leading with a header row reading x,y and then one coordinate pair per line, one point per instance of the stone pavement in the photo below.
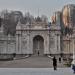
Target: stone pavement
x,y
30,62
35,71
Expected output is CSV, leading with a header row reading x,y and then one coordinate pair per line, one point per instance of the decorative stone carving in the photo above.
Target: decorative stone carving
x,y
52,42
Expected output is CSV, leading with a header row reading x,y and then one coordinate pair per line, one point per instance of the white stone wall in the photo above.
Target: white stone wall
x,y
7,47
18,44
24,42
11,47
3,47
25,49
67,47
53,45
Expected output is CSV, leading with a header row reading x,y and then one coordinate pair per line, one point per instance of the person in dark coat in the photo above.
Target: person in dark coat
x,y
73,67
59,59
38,53
54,63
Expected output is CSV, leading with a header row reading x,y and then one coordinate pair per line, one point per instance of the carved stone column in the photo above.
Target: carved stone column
x,y
58,44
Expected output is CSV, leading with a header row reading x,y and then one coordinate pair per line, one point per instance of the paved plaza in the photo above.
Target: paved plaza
x,y
34,65
31,62
36,71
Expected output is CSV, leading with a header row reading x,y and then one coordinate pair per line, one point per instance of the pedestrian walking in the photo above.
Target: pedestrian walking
x,y
38,53
73,66
59,59
54,63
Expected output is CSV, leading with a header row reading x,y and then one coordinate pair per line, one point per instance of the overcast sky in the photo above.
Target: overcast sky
x,y
46,7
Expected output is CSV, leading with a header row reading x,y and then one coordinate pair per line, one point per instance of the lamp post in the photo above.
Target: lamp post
x,y
49,42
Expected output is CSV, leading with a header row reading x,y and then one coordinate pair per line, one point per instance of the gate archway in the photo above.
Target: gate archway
x,y
38,45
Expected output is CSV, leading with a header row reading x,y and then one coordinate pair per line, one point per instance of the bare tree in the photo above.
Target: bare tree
x,y
28,17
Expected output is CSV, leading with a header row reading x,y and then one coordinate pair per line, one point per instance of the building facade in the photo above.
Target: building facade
x,y
38,36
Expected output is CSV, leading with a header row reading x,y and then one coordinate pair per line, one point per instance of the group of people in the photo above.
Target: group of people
x,y
55,62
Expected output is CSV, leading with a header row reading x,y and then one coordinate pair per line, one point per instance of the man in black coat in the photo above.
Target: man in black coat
x,y
54,63
38,53
59,59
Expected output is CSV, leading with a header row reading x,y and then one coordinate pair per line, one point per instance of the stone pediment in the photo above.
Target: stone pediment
x,y
34,25
39,25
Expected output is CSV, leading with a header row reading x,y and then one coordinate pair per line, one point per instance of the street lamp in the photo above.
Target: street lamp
x,y
49,42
